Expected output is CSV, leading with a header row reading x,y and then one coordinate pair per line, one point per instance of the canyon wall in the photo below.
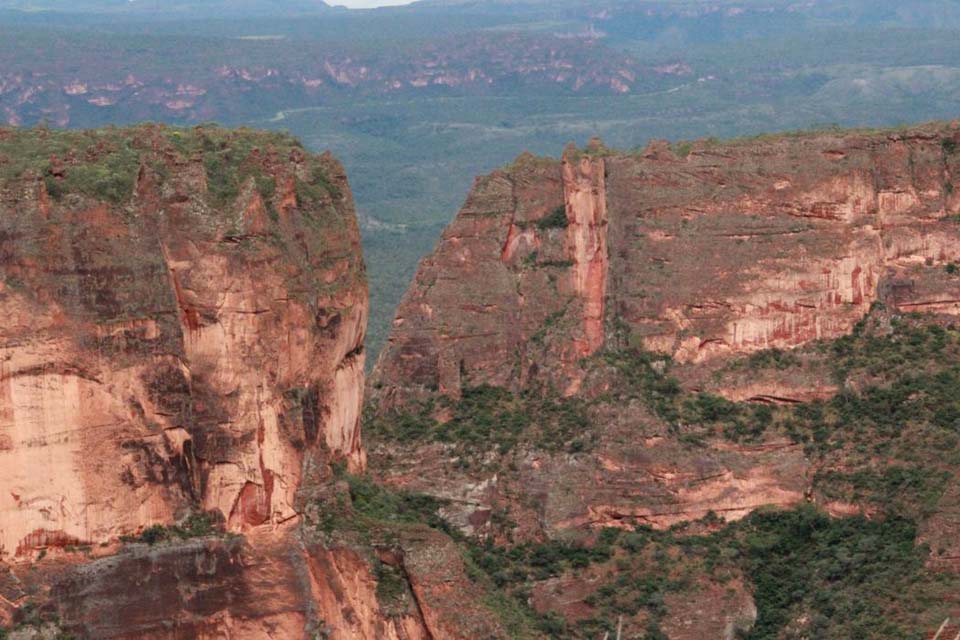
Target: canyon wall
x,y
695,255
685,341
701,251
182,345
184,337
181,371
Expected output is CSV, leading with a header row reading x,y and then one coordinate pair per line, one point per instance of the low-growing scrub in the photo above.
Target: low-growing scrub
x,y
33,621
556,219
373,518
635,573
230,158
375,502
889,441
910,346
895,490
197,525
100,164
767,359
906,382
822,577
539,561
103,163
393,590
489,419
370,508
811,575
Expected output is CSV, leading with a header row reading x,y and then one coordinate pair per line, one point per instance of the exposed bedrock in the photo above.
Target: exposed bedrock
x,y
181,346
708,252
701,253
182,361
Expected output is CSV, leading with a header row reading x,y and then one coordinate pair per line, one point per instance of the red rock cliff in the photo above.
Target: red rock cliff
x,y
185,342
715,250
183,334
584,193
697,254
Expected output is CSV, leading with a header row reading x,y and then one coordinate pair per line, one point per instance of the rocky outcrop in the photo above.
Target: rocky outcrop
x,y
584,194
181,378
268,586
615,296
528,249
697,254
184,344
711,251
208,589
346,593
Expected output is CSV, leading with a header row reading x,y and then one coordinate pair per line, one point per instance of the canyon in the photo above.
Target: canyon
x,y
181,360
621,385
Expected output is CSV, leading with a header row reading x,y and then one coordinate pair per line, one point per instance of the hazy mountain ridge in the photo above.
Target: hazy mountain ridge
x,y
170,9
201,79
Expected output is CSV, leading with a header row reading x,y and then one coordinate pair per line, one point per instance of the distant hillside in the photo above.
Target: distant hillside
x,y
171,8
193,78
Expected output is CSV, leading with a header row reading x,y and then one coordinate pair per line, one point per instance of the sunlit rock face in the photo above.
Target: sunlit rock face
x,y
184,314
698,252
183,337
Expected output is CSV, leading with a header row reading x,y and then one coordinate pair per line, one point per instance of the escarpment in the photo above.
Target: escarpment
x,y
699,252
680,345
702,390
183,327
181,380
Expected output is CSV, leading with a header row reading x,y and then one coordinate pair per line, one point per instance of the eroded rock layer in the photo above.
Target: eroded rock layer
x,y
268,585
181,380
698,252
184,314
686,343
695,254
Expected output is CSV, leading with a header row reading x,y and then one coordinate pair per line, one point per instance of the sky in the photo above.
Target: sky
x,y
367,4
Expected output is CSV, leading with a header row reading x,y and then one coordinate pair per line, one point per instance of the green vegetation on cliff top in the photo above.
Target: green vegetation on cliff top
x,y
104,163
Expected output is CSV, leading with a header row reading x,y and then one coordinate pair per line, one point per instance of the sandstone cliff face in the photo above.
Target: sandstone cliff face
x,y
498,277
615,297
584,191
168,347
698,254
181,377
714,251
